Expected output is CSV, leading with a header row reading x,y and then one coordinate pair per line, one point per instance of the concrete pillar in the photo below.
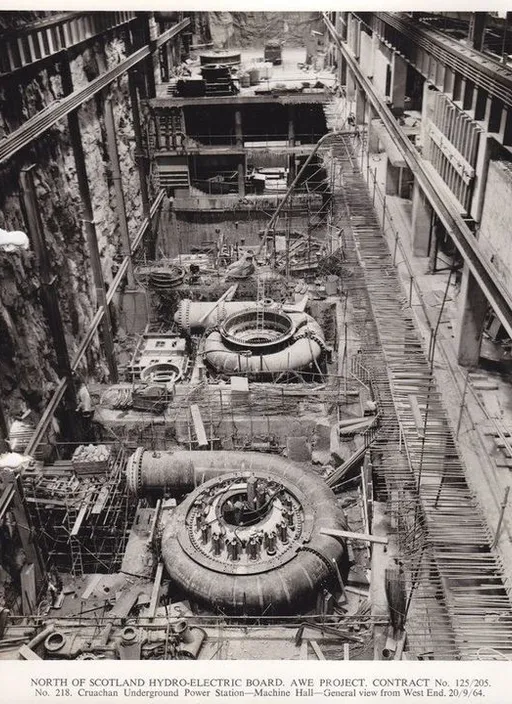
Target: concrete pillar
x,y
473,308
342,62
427,110
477,30
393,178
373,137
398,82
351,85
484,155
449,78
375,53
241,177
360,106
291,144
153,34
239,137
421,218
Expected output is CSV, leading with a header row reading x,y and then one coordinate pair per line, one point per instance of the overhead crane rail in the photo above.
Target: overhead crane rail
x,y
46,37
44,120
498,296
480,69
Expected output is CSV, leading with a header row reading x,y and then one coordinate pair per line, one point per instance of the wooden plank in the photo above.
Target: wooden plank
x,y
358,591
416,414
199,429
156,590
91,586
80,517
101,500
349,535
27,654
125,603
317,650
28,589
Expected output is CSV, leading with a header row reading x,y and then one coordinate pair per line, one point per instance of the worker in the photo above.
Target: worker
x,y
84,407
242,268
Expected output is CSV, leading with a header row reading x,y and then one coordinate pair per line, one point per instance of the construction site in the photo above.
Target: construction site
x,y
255,336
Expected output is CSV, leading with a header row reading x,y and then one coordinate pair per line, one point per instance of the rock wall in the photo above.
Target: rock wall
x,y
27,360
253,29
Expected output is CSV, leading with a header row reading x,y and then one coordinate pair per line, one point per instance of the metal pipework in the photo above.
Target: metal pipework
x,y
201,315
304,348
263,563
182,471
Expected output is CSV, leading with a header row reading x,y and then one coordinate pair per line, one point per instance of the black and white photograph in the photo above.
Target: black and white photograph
x,y
256,350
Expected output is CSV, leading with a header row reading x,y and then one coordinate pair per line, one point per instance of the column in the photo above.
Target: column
x,y
472,312
360,106
421,216
291,144
351,85
373,136
477,30
393,179
239,138
398,82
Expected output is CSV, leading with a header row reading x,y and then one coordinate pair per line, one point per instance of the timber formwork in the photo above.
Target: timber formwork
x,y
459,603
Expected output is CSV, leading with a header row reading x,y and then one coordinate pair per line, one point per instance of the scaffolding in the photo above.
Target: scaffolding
x,y
82,521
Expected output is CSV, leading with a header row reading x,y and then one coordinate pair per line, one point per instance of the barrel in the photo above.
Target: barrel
x,y
254,76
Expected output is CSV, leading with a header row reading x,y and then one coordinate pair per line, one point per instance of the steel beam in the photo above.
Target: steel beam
x,y
45,119
481,268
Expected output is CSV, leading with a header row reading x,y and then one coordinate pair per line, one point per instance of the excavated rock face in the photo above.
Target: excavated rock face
x,y
252,29
27,360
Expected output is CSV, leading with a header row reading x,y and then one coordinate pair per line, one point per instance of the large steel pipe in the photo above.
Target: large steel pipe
x,y
303,349
248,539
181,471
201,315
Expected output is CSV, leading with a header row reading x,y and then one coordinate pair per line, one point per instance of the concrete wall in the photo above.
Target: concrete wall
x,y
495,234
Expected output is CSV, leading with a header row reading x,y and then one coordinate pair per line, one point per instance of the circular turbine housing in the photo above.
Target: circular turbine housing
x,y
250,542
257,329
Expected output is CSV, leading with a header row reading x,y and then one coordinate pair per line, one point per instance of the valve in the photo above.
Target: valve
x,y
233,547
271,541
253,548
283,531
205,533
217,543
